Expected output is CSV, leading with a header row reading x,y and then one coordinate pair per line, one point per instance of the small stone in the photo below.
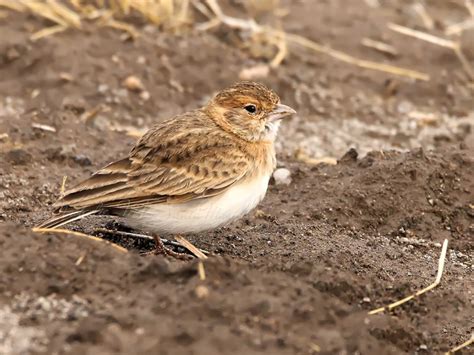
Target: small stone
x,y
82,160
66,76
102,88
35,93
133,83
404,107
423,347
366,300
201,292
145,95
282,176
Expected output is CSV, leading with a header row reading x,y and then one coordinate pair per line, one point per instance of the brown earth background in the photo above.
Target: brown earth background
x,y
299,274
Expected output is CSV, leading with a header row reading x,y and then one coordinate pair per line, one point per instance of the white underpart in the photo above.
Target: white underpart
x,y
202,214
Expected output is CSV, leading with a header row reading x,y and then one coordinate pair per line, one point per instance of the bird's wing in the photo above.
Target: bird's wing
x,y
172,163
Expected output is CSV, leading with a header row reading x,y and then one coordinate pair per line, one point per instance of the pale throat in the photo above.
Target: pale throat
x,y
271,130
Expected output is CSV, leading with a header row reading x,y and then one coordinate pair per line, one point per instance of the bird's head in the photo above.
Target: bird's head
x,y
250,110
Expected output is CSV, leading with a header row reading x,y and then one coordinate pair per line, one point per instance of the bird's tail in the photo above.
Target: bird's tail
x,y
65,218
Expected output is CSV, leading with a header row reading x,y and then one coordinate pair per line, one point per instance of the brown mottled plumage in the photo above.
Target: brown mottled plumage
x,y
187,166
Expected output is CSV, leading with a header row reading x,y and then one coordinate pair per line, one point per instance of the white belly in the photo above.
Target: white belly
x,y
202,214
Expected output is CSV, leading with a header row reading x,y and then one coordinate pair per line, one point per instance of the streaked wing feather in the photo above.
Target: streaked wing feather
x,y
166,165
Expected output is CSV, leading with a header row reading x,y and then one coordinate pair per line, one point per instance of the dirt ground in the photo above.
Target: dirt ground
x,y
299,274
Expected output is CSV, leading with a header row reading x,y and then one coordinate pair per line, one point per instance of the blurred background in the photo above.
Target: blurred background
x,y
369,74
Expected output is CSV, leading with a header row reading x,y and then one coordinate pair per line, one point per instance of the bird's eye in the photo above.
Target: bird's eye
x,y
250,108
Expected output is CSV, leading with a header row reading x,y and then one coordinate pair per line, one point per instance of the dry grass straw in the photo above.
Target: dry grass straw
x,y
198,253
379,46
398,303
427,20
79,234
63,186
458,28
124,234
274,34
172,14
13,5
461,346
188,245
442,42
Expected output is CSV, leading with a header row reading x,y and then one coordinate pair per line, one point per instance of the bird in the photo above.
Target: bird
x,y
194,172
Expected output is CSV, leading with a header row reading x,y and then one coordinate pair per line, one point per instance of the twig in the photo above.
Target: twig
x,y
441,262
461,346
201,270
460,27
253,27
45,10
44,127
137,235
422,35
65,13
465,63
470,7
197,252
89,115
142,236
63,185
48,31
80,259
128,234
281,54
79,234
380,46
13,5
425,17
454,46
201,8
187,244
314,347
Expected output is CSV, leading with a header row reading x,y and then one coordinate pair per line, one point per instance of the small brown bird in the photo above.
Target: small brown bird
x,y
194,172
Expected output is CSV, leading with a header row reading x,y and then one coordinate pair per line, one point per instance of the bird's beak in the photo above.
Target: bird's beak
x,y
279,112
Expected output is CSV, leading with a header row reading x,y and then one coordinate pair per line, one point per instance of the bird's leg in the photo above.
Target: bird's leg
x,y
160,249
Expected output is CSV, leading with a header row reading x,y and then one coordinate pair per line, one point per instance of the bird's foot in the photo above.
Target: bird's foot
x,y
161,249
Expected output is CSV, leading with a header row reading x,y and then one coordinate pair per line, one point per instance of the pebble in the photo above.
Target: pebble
x,y
133,83
103,88
282,176
82,160
404,107
201,291
145,95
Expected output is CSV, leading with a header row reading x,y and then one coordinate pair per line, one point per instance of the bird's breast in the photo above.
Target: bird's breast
x,y
206,213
